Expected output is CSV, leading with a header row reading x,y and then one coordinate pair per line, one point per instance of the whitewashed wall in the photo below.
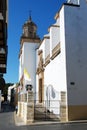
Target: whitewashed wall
x,y
54,74
76,53
21,64
42,47
54,37
55,71
58,21
28,61
47,47
70,66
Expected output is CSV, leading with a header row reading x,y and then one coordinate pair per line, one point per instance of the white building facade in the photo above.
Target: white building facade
x,y
57,68
64,63
75,46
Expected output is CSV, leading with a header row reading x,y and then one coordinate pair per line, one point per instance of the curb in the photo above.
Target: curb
x,y
20,122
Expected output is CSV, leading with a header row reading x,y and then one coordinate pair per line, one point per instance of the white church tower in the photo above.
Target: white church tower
x,y
27,57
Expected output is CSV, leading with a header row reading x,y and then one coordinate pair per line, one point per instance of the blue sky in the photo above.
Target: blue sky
x,y
43,12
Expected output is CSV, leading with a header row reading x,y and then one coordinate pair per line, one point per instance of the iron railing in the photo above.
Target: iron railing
x,y
43,111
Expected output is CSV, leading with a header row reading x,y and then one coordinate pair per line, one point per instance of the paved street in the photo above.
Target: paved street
x,y
7,119
7,122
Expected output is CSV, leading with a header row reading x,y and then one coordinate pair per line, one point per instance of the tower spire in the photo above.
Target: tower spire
x,y
30,18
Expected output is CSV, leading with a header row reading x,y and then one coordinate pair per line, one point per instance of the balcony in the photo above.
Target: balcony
x,y
2,68
1,33
2,58
3,46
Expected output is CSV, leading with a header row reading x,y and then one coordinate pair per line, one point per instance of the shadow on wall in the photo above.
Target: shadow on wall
x,y
50,91
52,100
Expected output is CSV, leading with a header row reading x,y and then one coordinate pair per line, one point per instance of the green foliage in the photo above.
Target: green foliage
x,y
5,89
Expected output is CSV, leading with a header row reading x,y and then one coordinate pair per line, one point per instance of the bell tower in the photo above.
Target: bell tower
x,y
30,31
29,43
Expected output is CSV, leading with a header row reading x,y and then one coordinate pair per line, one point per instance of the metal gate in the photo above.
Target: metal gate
x,y
47,110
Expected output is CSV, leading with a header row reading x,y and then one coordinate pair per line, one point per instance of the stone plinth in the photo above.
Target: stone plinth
x,y
26,107
29,108
29,113
19,109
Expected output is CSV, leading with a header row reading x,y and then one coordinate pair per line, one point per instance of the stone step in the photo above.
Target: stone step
x,y
41,113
